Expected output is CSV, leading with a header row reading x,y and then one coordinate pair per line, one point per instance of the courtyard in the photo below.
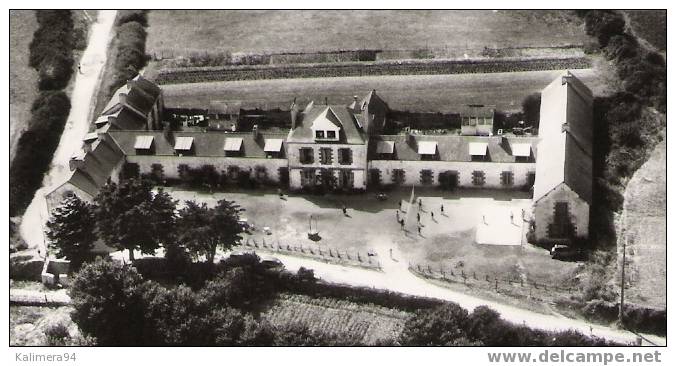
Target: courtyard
x,y
479,231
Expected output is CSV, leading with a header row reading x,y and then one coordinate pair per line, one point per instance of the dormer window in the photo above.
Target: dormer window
x,y
331,134
319,134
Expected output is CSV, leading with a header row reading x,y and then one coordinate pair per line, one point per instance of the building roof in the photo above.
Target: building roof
x,y
273,145
143,142
385,147
478,148
233,144
566,135
339,115
90,137
96,166
183,143
208,144
520,149
450,147
427,147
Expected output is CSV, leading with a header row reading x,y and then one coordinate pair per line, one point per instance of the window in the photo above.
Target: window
x,y
331,134
398,176
449,179
307,177
530,179
478,178
426,176
307,155
507,178
345,156
326,155
319,134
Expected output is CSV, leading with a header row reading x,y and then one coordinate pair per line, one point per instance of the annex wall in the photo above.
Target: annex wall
x,y
492,172
543,212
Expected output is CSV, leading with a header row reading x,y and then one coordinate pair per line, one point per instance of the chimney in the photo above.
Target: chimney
x,y
254,132
123,98
294,113
326,100
409,136
565,127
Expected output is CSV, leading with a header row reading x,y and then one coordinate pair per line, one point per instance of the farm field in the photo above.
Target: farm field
x,y
367,323
180,32
22,78
650,25
415,93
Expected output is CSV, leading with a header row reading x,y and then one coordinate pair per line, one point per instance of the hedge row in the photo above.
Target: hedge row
x,y
36,148
51,50
411,67
130,41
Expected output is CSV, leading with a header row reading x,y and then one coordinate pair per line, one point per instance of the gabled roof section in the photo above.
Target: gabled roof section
x,y
566,138
326,115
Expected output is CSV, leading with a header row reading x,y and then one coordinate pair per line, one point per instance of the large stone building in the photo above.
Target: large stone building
x,y
342,147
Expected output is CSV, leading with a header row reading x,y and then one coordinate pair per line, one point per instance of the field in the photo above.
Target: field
x,y
22,78
650,25
415,93
367,323
645,218
306,31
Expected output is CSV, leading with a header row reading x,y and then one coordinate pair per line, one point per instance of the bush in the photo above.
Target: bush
x,y
54,36
36,147
441,326
603,24
57,335
55,72
125,16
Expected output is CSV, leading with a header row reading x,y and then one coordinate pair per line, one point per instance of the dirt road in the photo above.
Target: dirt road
x,y
82,97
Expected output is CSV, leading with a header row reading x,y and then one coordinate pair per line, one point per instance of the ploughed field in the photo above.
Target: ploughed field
x,y
415,93
180,32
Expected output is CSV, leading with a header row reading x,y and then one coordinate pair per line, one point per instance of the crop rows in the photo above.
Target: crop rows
x,y
417,67
337,317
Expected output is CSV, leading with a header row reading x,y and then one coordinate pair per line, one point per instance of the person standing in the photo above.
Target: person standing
x,y
511,217
397,215
402,224
442,208
344,210
418,215
419,230
432,215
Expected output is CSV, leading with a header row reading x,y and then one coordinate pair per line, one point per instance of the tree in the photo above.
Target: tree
x,y
130,217
71,230
55,72
107,303
531,109
440,326
203,230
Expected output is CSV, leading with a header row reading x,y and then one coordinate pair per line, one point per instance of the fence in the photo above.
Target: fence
x,y
516,287
317,252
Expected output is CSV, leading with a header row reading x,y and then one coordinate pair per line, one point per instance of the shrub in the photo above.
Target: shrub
x,y
440,326
57,335
138,16
54,36
36,147
55,72
603,24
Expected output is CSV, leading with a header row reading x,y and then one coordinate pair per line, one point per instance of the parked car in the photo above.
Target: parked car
x,y
565,252
271,262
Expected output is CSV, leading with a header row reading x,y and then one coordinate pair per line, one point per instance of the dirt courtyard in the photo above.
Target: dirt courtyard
x,y
479,230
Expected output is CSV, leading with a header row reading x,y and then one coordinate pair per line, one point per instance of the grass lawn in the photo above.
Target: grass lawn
x,y
368,323
22,78
181,31
448,240
418,93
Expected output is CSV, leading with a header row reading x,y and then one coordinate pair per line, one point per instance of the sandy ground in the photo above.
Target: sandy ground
x,y
82,97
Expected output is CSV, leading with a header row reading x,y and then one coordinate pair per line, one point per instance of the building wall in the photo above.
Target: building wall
x,y
170,164
543,211
57,196
492,171
358,155
295,178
